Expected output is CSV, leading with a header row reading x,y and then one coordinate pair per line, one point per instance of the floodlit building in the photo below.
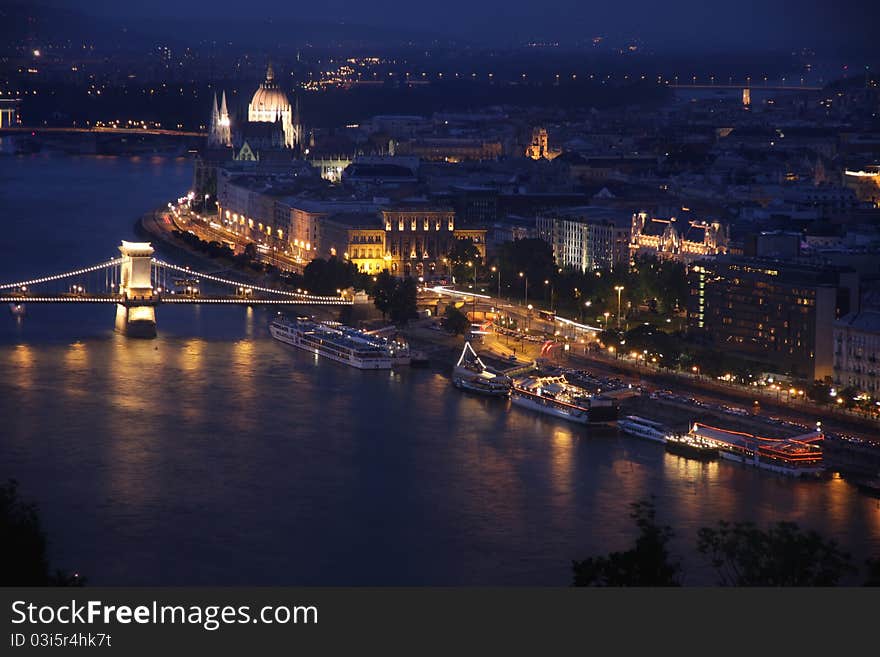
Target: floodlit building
x,y
418,238
586,238
269,106
539,146
778,313
865,183
678,240
857,351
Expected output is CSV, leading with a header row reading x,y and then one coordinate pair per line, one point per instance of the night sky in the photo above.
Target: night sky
x,y
667,25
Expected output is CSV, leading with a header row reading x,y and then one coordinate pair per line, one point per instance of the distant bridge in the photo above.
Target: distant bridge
x,y
101,130
137,283
753,87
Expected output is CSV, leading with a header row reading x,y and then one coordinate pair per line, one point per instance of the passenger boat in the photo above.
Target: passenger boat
x,y
333,341
17,309
401,354
799,456
471,374
643,428
692,447
553,395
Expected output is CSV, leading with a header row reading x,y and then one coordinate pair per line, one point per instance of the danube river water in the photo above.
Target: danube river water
x,y
215,455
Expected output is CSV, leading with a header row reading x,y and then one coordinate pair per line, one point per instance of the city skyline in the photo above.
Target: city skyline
x,y
672,27
472,294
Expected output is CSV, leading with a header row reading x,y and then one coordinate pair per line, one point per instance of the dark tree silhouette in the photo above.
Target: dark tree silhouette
x,y
648,563
456,321
462,252
383,292
326,276
533,257
403,301
783,555
23,560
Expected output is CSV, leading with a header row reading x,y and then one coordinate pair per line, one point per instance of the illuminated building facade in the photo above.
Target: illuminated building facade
x,y
417,239
585,239
684,241
865,183
366,248
539,146
9,117
857,351
220,130
269,106
779,314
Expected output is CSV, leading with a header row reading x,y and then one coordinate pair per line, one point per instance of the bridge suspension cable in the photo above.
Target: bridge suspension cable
x,y
226,281
56,277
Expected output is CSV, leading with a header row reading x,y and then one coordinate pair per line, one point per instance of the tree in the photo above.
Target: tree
x,y
456,321
250,251
648,563
784,555
327,276
462,258
533,257
403,301
23,560
819,392
848,394
383,292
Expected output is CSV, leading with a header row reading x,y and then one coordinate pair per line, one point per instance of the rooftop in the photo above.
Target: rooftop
x,y
866,320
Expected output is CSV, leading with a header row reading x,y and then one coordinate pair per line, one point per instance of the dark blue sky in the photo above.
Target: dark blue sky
x,y
665,24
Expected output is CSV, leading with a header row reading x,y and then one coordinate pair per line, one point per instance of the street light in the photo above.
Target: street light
x,y
547,282
607,315
619,289
526,298
587,304
498,269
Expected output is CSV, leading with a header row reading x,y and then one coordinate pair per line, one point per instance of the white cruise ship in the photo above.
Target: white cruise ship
x,y
643,428
470,373
342,344
554,396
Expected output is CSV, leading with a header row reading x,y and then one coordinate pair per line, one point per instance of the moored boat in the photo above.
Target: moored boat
x,y
691,447
799,456
640,427
337,343
470,373
555,396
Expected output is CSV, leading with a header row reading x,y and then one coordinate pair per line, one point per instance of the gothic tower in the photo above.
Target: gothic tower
x,y
225,129
214,126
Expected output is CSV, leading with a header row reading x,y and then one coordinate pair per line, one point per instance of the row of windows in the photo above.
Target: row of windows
x,y
425,224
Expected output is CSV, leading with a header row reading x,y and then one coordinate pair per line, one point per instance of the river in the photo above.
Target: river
x,y
215,455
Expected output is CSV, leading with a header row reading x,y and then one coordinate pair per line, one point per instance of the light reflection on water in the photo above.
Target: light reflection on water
x,y
215,455
268,467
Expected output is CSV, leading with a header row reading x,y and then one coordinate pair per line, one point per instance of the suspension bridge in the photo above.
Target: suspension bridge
x,y
137,282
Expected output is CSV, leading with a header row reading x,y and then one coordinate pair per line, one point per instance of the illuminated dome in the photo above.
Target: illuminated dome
x,y
270,104
269,101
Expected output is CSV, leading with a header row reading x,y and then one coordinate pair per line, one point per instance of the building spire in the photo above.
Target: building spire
x,y
270,74
213,132
224,131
